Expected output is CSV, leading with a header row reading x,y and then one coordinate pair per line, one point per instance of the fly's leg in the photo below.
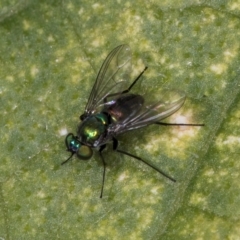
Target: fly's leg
x,y
104,167
180,124
67,159
127,90
83,116
134,82
115,148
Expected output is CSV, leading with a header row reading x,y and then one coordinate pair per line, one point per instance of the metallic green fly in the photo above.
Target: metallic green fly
x,y
112,110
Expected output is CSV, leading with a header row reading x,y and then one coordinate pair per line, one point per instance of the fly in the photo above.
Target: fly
x,y
112,110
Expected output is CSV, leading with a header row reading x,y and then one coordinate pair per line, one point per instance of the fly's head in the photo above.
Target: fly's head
x,y
76,147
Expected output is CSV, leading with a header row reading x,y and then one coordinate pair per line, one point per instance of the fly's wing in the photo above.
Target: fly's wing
x,y
153,112
112,78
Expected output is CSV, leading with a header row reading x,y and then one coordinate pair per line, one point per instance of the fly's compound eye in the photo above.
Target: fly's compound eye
x,y
84,152
74,146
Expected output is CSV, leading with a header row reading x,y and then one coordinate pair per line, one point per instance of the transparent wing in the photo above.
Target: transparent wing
x,y
112,77
153,112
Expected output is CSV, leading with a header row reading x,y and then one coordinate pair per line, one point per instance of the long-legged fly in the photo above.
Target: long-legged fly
x,y
112,110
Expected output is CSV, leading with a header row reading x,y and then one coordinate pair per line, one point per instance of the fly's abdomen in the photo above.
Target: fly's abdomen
x,y
125,107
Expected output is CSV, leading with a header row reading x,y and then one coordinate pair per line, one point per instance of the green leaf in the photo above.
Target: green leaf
x,y
50,55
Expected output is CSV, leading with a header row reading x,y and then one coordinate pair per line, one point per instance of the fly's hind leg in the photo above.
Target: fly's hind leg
x,y
115,148
127,90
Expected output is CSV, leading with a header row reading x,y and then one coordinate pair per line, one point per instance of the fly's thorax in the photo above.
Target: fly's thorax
x,y
93,129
